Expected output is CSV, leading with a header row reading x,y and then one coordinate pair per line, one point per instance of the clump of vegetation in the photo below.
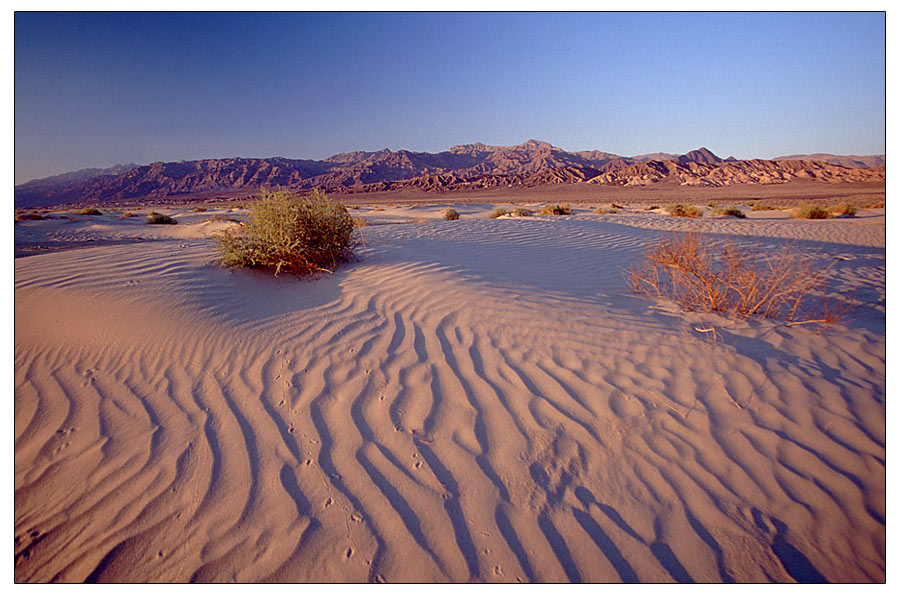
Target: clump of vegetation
x,y
615,206
809,211
759,207
198,210
739,281
845,209
874,205
360,222
218,217
126,215
731,211
155,218
450,214
33,216
89,211
498,212
600,211
286,233
712,204
547,210
683,210
651,208
520,212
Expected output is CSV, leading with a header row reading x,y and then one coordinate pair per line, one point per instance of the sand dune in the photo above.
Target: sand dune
x,y
478,400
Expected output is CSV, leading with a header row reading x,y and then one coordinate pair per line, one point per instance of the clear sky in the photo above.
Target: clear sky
x,y
97,89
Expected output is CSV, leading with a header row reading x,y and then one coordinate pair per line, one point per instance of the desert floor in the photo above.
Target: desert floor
x,y
472,400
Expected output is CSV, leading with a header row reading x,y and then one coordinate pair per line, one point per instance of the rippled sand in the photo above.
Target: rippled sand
x,y
478,400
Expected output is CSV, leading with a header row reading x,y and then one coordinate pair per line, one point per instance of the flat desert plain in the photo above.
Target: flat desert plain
x,y
472,400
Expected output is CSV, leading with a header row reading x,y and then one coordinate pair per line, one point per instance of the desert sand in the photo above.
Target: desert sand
x,y
472,400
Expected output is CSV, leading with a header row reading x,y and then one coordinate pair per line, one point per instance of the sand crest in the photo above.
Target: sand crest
x,y
476,400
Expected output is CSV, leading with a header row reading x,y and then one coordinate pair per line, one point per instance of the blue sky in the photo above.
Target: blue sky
x,y
96,89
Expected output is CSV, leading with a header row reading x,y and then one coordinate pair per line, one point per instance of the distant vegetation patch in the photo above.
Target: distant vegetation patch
x,y
811,212
498,212
731,211
520,212
30,217
287,233
547,210
155,218
89,211
126,215
683,210
844,209
450,214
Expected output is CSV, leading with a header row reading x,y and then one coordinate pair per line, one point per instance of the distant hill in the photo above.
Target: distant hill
x,y
843,160
471,166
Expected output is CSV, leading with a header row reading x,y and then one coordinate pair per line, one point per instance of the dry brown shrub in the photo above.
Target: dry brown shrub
x,y
737,280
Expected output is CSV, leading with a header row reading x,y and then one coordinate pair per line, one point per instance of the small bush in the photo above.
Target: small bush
x,y
811,212
712,204
651,208
875,205
845,209
292,234
520,212
682,210
126,215
547,210
736,280
155,218
758,207
198,210
730,212
615,206
600,211
29,217
450,214
89,211
498,212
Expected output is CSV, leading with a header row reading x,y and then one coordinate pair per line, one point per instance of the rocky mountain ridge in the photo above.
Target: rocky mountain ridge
x,y
462,167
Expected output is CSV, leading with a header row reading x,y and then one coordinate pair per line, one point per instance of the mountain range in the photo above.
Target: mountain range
x,y
462,167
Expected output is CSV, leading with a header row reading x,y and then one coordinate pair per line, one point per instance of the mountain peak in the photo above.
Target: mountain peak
x,y
534,145
701,155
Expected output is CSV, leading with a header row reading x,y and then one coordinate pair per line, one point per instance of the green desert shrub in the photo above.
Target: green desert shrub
x,y
520,212
155,218
89,211
731,211
808,211
450,214
498,212
555,210
287,233
683,210
845,208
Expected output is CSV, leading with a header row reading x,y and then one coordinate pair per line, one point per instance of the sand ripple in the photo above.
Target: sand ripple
x,y
473,401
